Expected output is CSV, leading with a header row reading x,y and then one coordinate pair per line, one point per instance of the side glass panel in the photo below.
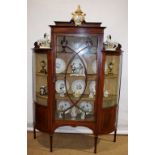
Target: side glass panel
x,y
112,80
40,74
76,59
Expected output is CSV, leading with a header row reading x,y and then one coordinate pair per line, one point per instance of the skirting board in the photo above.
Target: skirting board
x,y
68,129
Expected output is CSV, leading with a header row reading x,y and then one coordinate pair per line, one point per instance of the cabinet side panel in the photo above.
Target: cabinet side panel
x,y
41,118
108,120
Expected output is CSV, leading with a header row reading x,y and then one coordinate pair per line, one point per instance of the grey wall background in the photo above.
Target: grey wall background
x,y
112,14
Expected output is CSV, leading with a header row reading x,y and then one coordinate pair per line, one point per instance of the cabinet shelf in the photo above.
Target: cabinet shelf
x,y
89,117
70,75
41,100
108,104
42,96
85,97
110,76
110,101
110,97
41,74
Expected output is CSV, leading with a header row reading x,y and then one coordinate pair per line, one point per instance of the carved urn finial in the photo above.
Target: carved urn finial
x,y
78,16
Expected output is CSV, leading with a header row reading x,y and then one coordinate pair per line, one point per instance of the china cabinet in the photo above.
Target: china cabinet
x,y
77,80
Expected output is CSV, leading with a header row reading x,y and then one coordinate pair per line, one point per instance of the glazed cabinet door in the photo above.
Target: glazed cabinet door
x,y
112,78
76,74
40,89
112,73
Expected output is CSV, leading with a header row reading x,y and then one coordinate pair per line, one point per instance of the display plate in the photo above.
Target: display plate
x,y
60,86
63,105
60,65
86,106
78,86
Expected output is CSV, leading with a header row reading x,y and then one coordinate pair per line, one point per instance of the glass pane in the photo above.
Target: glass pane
x,y
112,80
40,85
76,77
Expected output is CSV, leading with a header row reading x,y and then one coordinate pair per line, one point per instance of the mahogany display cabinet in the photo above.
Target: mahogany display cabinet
x,y
77,80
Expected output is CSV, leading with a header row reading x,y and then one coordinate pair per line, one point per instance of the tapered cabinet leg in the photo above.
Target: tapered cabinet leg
x,y
51,143
115,134
34,133
95,143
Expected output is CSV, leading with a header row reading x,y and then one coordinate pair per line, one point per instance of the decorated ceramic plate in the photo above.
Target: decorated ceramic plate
x,y
60,86
63,105
86,106
78,86
60,65
78,66
94,67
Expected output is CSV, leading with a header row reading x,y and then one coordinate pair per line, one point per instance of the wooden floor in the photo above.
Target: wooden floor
x,y
76,144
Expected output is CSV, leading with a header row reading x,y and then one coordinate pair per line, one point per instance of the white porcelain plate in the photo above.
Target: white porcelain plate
x,y
60,86
86,106
63,105
78,85
60,65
